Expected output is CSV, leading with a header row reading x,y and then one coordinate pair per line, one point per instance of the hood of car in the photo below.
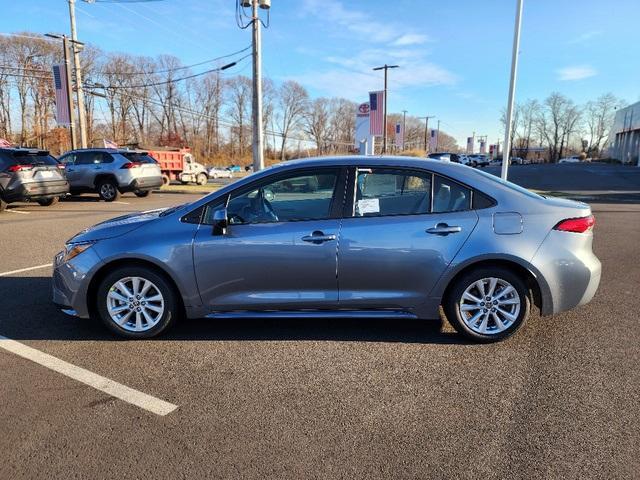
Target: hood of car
x,y
117,226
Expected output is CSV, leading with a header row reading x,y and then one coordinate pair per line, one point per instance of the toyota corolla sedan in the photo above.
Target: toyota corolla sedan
x,y
365,237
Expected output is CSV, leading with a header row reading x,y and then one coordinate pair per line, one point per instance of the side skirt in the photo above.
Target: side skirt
x,y
390,314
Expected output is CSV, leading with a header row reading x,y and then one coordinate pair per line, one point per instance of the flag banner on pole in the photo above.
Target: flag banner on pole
x,y
469,145
399,136
433,139
483,147
109,143
376,115
5,144
62,95
362,125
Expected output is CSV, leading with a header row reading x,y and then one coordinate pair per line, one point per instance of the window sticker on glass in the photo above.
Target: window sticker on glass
x,y
368,205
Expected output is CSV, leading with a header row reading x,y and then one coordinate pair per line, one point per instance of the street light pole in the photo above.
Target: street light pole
x,y
438,136
506,151
385,67
258,151
76,66
404,128
426,130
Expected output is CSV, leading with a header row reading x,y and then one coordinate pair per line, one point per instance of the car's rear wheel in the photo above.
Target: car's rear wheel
x,y
136,302
488,304
47,202
142,193
108,190
202,179
165,180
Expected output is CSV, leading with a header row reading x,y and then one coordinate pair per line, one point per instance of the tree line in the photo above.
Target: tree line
x,y
561,127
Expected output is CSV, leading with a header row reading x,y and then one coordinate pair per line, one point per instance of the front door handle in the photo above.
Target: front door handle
x,y
318,237
443,229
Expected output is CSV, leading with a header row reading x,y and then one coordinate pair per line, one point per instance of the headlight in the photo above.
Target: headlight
x,y
72,250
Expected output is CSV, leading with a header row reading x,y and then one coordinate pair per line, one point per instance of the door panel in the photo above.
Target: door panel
x,y
267,266
393,262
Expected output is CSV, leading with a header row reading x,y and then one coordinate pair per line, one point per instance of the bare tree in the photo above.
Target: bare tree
x,y
554,118
292,105
240,109
316,123
599,115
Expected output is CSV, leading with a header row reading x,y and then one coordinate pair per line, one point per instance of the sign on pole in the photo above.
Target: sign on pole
x,y
483,147
63,116
433,139
399,136
363,129
469,145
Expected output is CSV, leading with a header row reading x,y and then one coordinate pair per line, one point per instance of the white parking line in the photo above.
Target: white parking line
x,y
11,210
115,389
4,274
121,203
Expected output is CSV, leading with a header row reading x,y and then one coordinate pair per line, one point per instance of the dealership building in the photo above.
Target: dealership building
x,y
624,139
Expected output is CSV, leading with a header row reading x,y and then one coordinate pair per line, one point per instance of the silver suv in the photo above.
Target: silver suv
x,y
110,172
27,175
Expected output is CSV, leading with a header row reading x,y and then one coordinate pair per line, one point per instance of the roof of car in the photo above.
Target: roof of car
x,y
24,149
108,150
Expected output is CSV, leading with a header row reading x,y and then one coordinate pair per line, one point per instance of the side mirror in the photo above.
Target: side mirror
x,y
220,222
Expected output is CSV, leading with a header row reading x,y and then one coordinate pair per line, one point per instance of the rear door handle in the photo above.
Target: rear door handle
x,y
444,229
318,237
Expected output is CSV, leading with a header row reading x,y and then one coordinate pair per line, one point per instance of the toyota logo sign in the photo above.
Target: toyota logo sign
x,y
363,108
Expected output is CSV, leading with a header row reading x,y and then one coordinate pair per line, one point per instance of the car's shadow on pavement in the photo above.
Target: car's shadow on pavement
x,y
28,314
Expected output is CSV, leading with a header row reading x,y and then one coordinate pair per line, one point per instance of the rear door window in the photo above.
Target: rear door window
x,y
450,196
381,192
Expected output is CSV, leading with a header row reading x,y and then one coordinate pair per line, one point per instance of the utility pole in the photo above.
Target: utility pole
x,y
258,150
426,130
473,142
404,129
82,114
438,136
506,152
385,67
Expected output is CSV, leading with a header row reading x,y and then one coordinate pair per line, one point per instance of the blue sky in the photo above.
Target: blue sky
x,y
454,55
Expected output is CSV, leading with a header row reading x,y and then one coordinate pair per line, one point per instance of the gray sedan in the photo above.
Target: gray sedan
x,y
368,237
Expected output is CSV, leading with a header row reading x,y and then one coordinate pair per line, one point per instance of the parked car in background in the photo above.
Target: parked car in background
x,y
180,165
479,160
517,161
110,172
414,235
441,156
571,159
218,172
30,175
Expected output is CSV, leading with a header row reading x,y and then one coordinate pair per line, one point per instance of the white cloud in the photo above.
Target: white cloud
x,y
411,39
585,37
576,72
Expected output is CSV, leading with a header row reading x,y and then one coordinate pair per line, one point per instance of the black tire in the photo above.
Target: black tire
x,y
451,304
142,193
474,164
47,202
108,190
202,179
165,180
171,303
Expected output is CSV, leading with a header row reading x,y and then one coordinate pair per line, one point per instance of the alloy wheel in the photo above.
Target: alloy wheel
x,y
135,304
107,190
489,306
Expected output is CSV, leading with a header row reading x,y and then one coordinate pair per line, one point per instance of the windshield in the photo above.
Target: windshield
x,y
138,157
29,158
508,184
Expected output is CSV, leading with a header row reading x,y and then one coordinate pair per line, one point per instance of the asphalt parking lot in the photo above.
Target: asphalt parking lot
x,y
326,399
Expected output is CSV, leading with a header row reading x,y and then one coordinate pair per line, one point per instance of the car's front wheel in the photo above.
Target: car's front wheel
x,y
488,304
142,193
108,190
202,179
136,302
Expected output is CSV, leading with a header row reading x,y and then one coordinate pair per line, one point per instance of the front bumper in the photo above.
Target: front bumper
x,y
70,281
35,190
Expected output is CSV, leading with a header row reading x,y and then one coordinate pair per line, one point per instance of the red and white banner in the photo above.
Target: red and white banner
x,y
399,136
63,116
483,147
109,143
376,113
469,145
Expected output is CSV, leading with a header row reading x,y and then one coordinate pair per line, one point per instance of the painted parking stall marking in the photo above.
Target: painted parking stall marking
x,y
110,387
28,269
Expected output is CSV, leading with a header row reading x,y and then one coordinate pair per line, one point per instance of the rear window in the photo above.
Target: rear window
x,y
138,157
26,158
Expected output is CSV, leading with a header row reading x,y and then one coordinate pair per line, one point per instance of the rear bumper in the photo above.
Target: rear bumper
x,y
570,269
35,190
143,183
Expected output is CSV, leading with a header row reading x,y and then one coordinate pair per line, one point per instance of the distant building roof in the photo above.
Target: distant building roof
x,y
626,119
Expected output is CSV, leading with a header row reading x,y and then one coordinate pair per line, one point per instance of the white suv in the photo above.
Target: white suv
x,y
110,172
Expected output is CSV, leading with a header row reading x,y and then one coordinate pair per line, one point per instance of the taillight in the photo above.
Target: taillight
x,y
131,165
62,166
19,168
576,225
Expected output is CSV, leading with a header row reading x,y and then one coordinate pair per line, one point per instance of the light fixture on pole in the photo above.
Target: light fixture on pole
x,y
385,67
506,151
